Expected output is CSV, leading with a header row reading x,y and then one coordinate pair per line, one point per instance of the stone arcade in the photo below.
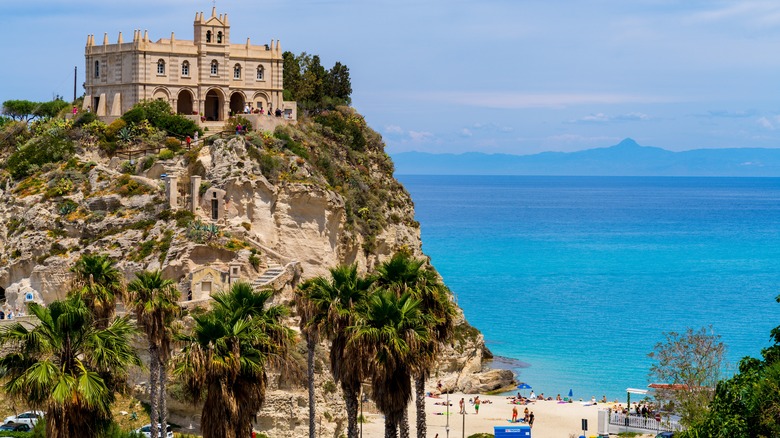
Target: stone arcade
x,y
205,79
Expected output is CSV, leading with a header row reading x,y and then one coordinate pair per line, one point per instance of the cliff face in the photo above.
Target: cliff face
x,y
271,209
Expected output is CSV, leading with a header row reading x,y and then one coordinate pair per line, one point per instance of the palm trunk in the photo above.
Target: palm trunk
x,y
310,344
154,400
163,370
404,423
351,400
56,423
391,428
419,389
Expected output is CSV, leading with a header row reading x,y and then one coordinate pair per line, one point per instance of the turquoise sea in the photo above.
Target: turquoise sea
x,y
576,278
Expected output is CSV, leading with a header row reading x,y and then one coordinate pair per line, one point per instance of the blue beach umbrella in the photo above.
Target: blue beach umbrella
x,y
571,394
523,386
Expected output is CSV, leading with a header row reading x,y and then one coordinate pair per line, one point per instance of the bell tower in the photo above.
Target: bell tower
x,y
214,31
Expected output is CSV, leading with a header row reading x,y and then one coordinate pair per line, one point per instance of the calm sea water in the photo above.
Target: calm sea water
x,y
578,277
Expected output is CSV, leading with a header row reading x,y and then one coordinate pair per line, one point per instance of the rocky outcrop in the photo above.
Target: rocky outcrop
x,y
328,203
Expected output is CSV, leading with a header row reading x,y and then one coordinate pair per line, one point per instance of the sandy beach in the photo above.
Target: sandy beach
x,y
552,420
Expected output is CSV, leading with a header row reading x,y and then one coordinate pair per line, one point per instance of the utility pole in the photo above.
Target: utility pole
x,y
463,414
75,73
447,427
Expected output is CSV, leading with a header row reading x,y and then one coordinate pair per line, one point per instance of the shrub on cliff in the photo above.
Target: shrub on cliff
x,y
49,147
158,114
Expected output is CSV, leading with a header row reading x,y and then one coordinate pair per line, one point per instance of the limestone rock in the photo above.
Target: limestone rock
x,y
486,381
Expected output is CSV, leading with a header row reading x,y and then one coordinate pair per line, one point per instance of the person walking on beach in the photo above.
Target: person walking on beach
x,y
531,420
525,415
514,414
462,406
476,405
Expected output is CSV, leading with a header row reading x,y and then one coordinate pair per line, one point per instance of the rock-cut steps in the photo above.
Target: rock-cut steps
x,y
273,272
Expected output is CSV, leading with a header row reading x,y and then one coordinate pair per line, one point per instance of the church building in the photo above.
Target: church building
x,y
206,78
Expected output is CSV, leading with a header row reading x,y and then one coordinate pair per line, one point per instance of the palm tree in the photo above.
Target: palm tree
x,y
390,329
402,273
68,366
311,318
328,306
226,357
153,300
99,284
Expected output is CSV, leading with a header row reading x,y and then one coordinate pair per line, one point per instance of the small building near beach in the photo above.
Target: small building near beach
x,y
205,78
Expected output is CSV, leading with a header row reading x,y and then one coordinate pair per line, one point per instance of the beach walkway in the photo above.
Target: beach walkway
x,y
619,422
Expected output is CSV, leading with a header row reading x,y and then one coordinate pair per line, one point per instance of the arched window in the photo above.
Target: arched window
x,y
160,67
237,71
185,68
208,36
260,73
97,69
219,37
214,68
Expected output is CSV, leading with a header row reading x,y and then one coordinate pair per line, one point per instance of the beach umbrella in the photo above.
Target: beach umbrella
x,y
523,386
571,394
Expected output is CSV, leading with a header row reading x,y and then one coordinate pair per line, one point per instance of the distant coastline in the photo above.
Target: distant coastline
x,y
624,159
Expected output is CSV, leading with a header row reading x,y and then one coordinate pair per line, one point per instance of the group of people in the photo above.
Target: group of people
x,y
7,313
528,416
248,109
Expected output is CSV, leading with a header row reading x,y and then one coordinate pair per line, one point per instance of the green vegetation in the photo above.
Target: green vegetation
x,y
154,302
693,359
127,186
75,373
48,147
747,404
314,88
159,115
25,110
166,154
294,146
225,358
386,327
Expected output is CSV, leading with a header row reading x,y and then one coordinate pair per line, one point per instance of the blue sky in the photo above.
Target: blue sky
x,y
509,76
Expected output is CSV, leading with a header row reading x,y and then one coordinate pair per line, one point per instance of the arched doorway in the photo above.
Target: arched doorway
x,y
184,103
2,295
237,103
161,94
261,101
213,107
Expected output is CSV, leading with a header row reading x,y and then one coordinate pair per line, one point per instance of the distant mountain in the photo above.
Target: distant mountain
x,y
626,158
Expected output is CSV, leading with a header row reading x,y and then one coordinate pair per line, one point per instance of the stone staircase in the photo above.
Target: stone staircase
x,y
273,272
213,127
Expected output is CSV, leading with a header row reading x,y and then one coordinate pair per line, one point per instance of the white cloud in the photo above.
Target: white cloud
x,y
751,13
593,118
604,118
492,127
401,135
515,100
419,136
465,132
765,123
